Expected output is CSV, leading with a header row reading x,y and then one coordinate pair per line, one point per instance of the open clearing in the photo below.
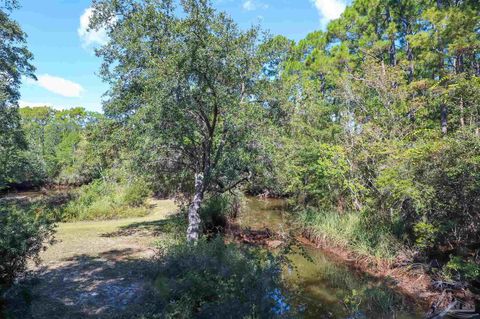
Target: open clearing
x,y
96,269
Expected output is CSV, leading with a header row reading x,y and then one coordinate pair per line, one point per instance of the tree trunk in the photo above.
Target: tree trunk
x,y
444,117
462,116
194,221
411,70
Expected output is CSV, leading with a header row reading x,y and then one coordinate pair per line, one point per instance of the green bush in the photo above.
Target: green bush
x,y
216,280
218,209
106,199
433,186
136,193
426,235
23,234
459,269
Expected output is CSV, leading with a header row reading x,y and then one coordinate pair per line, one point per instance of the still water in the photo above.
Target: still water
x,y
321,287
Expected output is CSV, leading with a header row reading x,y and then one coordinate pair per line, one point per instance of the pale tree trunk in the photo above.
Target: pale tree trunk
x,y
462,118
194,221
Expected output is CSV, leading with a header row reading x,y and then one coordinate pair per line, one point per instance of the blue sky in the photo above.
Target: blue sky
x,y
63,49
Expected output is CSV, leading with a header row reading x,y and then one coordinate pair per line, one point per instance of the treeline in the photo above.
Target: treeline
x,y
58,148
378,130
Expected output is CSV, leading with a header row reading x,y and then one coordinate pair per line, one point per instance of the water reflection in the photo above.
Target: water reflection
x,y
321,288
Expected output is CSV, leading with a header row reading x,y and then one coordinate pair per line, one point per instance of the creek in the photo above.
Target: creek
x,y
320,286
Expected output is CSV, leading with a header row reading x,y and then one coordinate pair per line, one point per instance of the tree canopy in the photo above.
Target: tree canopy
x,y
185,82
15,62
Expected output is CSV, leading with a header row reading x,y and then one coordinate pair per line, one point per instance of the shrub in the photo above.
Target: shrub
x,y
136,193
460,269
425,234
217,209
23,234
106,199
433,182
216,280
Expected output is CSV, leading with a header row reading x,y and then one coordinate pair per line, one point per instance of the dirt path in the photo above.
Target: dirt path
x,y
95,270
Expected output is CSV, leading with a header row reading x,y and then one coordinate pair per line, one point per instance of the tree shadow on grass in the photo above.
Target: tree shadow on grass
x,y
174,224
108,286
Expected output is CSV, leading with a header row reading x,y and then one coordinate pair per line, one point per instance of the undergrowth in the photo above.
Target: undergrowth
x,y
350,230
103,199
212,279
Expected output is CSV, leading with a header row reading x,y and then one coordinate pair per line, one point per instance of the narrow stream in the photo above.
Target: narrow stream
x,y
322,288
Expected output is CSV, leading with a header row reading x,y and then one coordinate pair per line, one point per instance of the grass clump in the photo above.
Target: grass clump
x,y
216,280
351,230
104,199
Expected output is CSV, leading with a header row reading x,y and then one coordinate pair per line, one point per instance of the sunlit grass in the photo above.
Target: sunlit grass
x,y
349,230
93,237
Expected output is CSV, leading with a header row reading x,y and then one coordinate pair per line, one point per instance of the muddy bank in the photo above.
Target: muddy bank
x,y
268,223
410,279
322,284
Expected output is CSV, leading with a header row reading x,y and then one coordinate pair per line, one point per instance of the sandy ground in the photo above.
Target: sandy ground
x,y
100,269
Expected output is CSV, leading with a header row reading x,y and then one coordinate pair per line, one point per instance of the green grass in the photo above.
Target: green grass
x,y
94,237
350,230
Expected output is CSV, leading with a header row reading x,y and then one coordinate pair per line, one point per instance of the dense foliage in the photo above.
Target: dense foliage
x,y
62,145
379,127
15,63
24,232
109,197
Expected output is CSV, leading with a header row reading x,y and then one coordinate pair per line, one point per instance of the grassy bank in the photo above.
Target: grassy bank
x,y
352,231
374,250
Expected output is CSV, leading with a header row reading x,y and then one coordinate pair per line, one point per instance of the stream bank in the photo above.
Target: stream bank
x,y
266,222
323,285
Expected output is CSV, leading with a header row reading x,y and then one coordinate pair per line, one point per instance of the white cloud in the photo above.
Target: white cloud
x,y
89,37
329,9
58,85
251,5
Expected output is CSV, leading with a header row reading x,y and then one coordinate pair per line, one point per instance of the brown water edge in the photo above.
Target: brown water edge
x,y
331,286
414,284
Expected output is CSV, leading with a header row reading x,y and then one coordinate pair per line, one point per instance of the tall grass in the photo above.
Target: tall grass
x,y
350,230
103,199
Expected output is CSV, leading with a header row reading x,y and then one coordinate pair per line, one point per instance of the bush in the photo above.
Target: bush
x,y
105,199
433,186
459,269
136,193
217,209
218,280
23,234
425,234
